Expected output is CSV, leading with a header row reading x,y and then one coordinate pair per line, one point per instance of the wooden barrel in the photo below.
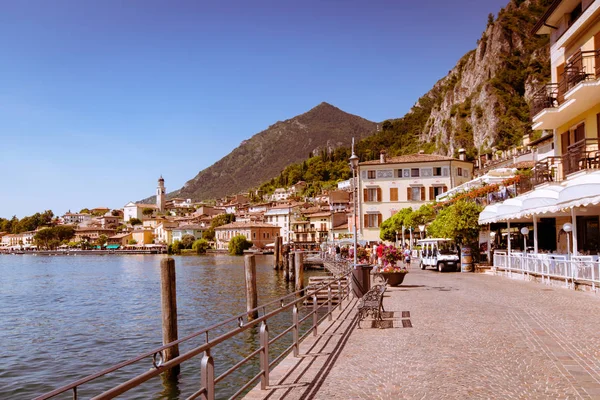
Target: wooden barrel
x,y
466,260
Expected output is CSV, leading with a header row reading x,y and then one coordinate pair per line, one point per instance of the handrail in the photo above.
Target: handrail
x,y
284,303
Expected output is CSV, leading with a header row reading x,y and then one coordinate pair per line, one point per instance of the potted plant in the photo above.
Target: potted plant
x,y
393,271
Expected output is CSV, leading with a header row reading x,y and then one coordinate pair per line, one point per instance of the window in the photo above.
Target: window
x,y
437,171
576,13
372,220
393,194
372,194
459,171
415,193
371,174
414,172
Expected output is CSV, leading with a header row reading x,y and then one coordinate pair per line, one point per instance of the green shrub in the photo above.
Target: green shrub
x,y
200,246
238,244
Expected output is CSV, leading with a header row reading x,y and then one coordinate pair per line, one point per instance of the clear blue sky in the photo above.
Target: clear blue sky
x,y
97,99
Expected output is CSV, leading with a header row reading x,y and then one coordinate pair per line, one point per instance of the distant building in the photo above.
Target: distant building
x,y
76,218
135,210
197,231
120,239
160,194
143,236
280,215
92,234
260,234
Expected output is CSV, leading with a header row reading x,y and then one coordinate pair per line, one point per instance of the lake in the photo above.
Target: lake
x,y
65,317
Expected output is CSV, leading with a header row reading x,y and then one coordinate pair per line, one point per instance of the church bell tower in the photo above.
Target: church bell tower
x,y
160,194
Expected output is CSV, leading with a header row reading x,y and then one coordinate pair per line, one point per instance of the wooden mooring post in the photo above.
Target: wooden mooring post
x,y
286,266
276,254
292,269
251,295
168,297
299,271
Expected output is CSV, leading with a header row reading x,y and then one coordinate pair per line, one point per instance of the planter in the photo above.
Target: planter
x,y
393,278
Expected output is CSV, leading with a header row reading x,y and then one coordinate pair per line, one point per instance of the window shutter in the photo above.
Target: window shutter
x,y
422,194
393,194
365,195
408,193
580,133
366,220
379,218
564,142
444,189
379,195
431,193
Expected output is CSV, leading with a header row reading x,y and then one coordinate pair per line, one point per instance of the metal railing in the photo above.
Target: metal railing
x,y
576,269
315,313
583,66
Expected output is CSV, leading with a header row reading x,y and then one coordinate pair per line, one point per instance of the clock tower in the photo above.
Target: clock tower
x,y
160,194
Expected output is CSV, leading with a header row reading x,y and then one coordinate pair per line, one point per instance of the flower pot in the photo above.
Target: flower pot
x,y
393,278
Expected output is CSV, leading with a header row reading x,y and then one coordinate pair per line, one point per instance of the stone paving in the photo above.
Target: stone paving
x,y
473,336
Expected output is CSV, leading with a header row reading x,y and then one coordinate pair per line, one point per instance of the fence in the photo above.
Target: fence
x,y
576,269
292,303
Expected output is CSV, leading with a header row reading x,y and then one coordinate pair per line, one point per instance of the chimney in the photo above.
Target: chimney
x,y
382,157
462,154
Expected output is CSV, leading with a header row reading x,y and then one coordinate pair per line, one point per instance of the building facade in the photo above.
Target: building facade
x,y
387,185
260,234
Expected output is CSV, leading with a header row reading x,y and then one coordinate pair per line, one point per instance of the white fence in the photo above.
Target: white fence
x,y
577,269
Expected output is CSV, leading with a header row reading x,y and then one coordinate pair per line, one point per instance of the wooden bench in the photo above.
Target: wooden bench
x,y
372,304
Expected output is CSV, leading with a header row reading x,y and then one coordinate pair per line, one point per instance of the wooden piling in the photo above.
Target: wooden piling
x,y
292,261
168,297
251,294
286,266
299,271
276,254
281,250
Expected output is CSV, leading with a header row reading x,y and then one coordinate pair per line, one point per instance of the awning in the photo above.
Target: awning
x,y
541,201
581,191
112,246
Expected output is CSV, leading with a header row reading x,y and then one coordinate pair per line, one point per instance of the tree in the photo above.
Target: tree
x,y
132,241
115,213
135,221
175,247
147,211
187,241
238,244
43,237
390,226
84,211
209,234
64,233
200,246
458,222
101,241
222,219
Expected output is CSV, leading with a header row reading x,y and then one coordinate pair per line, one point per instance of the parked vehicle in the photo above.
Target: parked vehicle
x,y
441,254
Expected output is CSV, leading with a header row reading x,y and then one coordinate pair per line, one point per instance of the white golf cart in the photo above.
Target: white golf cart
x,y
441,254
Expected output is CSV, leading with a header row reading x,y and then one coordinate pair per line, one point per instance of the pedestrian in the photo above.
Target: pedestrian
x,y
380,249
337,252
407,255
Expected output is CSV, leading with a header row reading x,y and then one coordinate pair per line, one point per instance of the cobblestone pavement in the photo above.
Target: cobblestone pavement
x,y
472,336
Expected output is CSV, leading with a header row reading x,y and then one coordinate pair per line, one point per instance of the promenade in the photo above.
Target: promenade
x,y
453,336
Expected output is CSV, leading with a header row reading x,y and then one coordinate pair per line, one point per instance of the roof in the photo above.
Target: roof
x,y
341,226
195,227
120,235
319,214
411,158
235,225
541,140
542,21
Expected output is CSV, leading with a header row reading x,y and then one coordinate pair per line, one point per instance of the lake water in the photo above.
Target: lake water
x,y
65,317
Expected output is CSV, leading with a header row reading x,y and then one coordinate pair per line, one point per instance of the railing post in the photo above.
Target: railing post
x,y
340,296
329,302
315,317
264,355
593,277
296,331
207,376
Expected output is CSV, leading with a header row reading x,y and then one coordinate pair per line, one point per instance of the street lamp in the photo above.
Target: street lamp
x,y
525,232
567,227
354,166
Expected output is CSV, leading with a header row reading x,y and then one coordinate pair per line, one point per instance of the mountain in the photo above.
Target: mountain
x,y
483,102
265,154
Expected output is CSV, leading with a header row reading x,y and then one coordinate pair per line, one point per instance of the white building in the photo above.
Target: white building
x,y
135,210
76,218
281,216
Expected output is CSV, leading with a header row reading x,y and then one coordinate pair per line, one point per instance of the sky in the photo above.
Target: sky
x,y
100,98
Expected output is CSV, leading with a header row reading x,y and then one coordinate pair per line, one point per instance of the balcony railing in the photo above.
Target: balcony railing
x,y
584,66
580,156
550,169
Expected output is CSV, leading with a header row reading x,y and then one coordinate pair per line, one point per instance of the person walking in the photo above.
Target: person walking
x,y
407,255
380,249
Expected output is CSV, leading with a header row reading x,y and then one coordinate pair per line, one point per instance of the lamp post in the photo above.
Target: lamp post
x,y
567,227
354,167
525,232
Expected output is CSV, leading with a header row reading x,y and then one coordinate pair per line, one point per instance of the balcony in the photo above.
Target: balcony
x,y
578,90
583,155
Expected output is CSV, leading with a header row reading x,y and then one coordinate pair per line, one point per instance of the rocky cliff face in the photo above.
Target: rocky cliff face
x,y
483,102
